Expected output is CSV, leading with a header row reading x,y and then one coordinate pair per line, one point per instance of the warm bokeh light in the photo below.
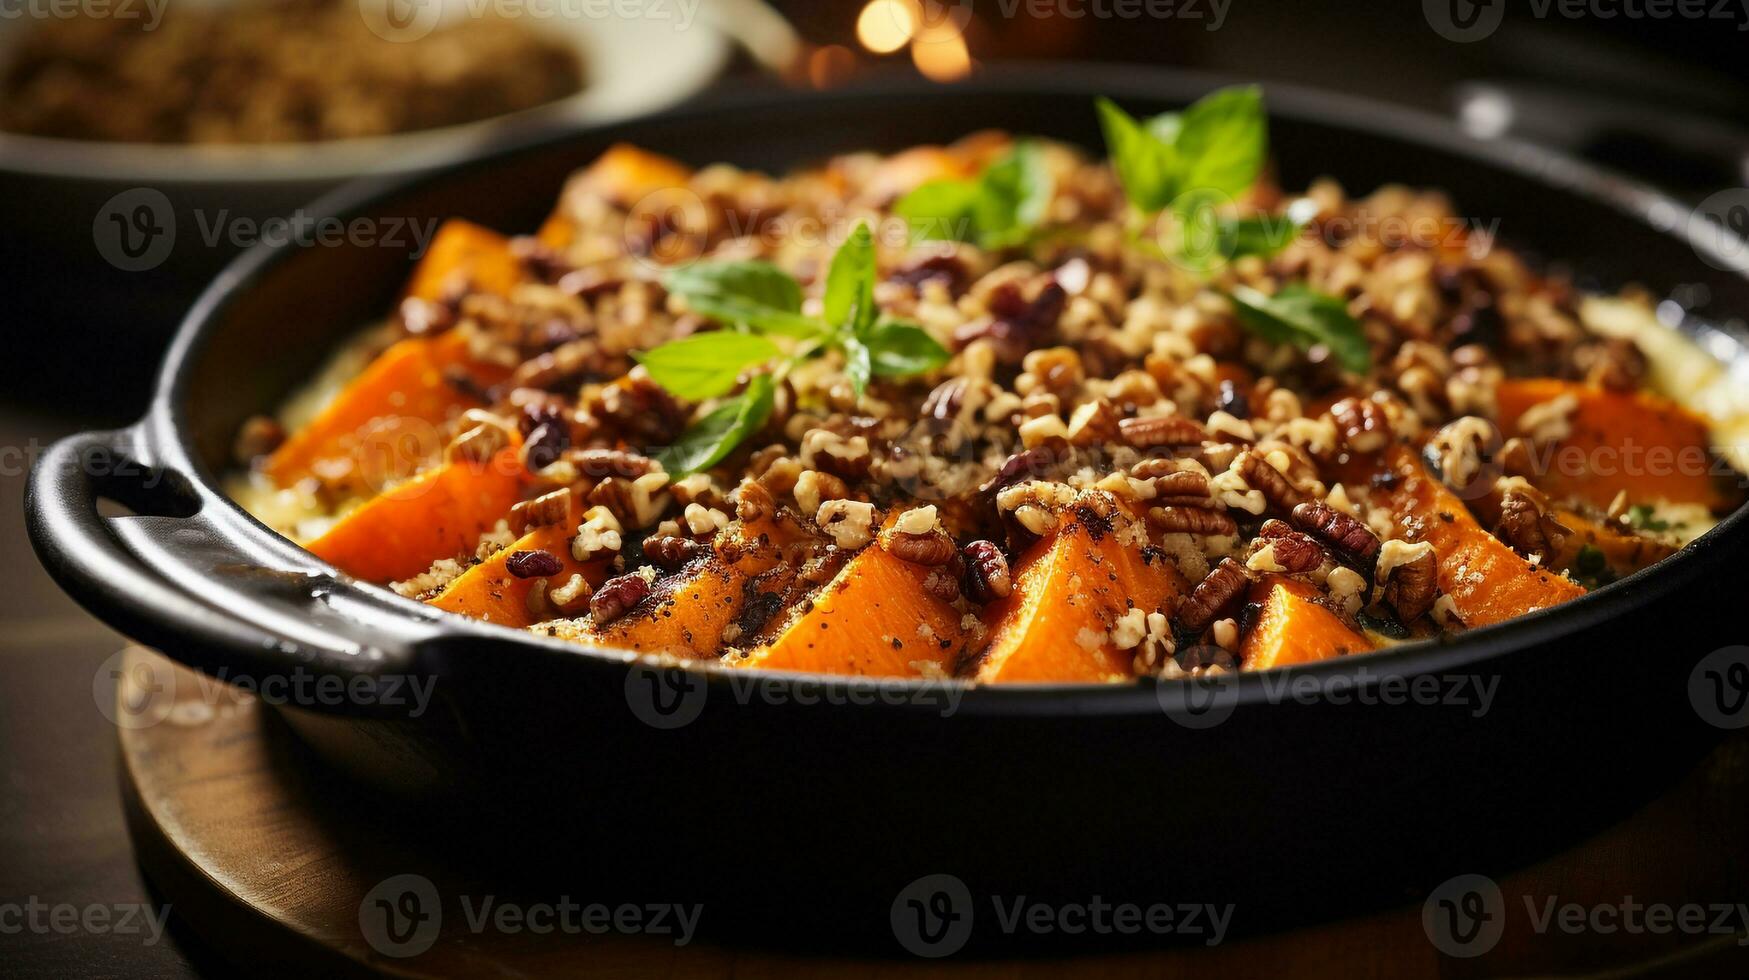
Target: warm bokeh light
x,y
831,65
940,53
885,25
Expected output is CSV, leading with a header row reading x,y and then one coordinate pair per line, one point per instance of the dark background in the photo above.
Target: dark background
x,y
80,339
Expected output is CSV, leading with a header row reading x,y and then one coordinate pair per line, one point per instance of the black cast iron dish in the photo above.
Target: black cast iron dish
x,y
800,807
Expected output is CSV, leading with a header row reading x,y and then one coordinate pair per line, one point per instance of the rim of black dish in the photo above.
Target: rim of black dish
x,y
165,431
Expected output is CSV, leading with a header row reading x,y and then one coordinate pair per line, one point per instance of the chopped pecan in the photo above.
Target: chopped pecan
x,y
598,464
1191,520
543,511
1526,525
1022,465
1161,431
1362,424
617,596
987,578
1214,594
1294,552
1412,587
942,584
1348,536
670,552
929,548
753,502
1262,476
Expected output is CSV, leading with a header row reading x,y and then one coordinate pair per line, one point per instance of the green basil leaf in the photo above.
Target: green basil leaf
x,y
1013,195
858,364
1146,165
1222,140
902,349
706,442
757,294
706,365
1303,317
849,299
1262,235
941,210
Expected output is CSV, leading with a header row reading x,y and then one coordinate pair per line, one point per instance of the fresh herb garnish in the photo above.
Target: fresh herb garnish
x,y
1640,517
1303,317
1002,207
760,299
1193,163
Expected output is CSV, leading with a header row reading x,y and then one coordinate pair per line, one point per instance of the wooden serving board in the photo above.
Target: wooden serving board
x,y
281,869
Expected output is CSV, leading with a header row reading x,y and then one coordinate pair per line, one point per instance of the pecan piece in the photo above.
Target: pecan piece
x,y
1412,587
931,548
543,511
1527,527
617,596
670,552
1192,520
1348,536
598,464
1212,595
1161,431
1271,482
1294,552
987,578
1362,424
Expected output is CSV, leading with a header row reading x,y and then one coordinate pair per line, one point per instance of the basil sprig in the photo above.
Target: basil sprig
x,y
759,299
1000,208
1304,317
1195,161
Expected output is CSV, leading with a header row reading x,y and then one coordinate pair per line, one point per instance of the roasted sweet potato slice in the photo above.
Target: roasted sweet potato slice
x,y
1487,581
1293,628
440,513
463,252
874,618
385,423
1069,589
689,611
488,591
1635,443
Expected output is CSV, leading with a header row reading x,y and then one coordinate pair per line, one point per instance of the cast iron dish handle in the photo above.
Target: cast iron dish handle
x,y
149,572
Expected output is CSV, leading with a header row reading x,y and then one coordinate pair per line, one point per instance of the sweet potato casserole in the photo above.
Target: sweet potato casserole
x,y
1001,411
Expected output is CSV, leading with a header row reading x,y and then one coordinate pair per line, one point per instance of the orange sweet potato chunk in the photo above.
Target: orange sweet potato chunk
x,y
462,251
874,619
384,423
1638,443
1069,589
488,591
1487,581
1294,629
690,610
440,513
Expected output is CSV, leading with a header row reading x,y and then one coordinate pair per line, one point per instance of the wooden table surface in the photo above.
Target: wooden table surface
x,y
64,842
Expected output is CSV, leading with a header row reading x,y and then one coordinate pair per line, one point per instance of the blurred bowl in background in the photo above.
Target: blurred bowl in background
x,y
108,243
